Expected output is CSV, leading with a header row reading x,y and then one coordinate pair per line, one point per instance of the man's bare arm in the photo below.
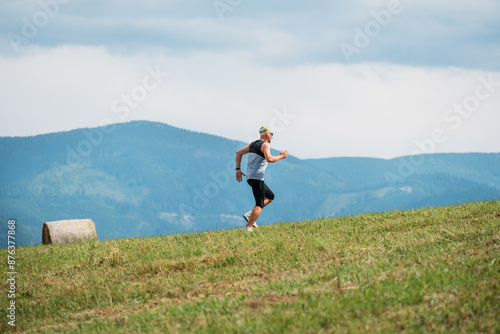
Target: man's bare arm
x,y
239,155
266,149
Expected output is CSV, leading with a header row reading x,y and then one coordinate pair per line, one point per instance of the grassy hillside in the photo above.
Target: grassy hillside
x,y
435,269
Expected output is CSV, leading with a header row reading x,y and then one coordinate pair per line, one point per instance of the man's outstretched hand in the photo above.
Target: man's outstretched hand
x,y
239,175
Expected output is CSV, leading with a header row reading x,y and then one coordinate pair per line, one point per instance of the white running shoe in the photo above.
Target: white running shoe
x,y
246,216
248,229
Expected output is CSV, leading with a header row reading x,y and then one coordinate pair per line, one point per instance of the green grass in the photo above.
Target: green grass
x,y
435,269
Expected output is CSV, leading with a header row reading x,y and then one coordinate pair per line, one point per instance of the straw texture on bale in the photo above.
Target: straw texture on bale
x,y
68,231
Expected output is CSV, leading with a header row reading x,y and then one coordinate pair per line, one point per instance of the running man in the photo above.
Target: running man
x,y
259,155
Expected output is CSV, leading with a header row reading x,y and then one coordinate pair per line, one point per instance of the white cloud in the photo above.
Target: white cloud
x,y
265,60
338,110
278,33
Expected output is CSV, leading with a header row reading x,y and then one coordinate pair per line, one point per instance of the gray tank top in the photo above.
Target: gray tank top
x,y
256,161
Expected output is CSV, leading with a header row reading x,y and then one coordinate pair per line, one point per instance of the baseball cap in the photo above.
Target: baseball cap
x,y
264,129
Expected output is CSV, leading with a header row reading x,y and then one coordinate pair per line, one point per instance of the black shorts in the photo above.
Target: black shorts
x,y
260,191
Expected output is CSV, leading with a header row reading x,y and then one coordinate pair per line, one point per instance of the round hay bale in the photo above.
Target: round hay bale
x,y
68,231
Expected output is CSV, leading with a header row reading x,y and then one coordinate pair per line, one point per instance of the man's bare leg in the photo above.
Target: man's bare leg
x,y
256,211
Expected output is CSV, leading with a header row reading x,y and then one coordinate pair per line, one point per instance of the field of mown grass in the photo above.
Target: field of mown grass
x,y
434,269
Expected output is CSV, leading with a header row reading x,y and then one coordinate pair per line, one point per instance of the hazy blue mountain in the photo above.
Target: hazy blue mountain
x,y
144,178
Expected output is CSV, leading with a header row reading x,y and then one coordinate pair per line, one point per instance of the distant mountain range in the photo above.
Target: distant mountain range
x,y
144,178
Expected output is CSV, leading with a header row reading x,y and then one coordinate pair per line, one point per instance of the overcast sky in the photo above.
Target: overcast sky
x,y
332,78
